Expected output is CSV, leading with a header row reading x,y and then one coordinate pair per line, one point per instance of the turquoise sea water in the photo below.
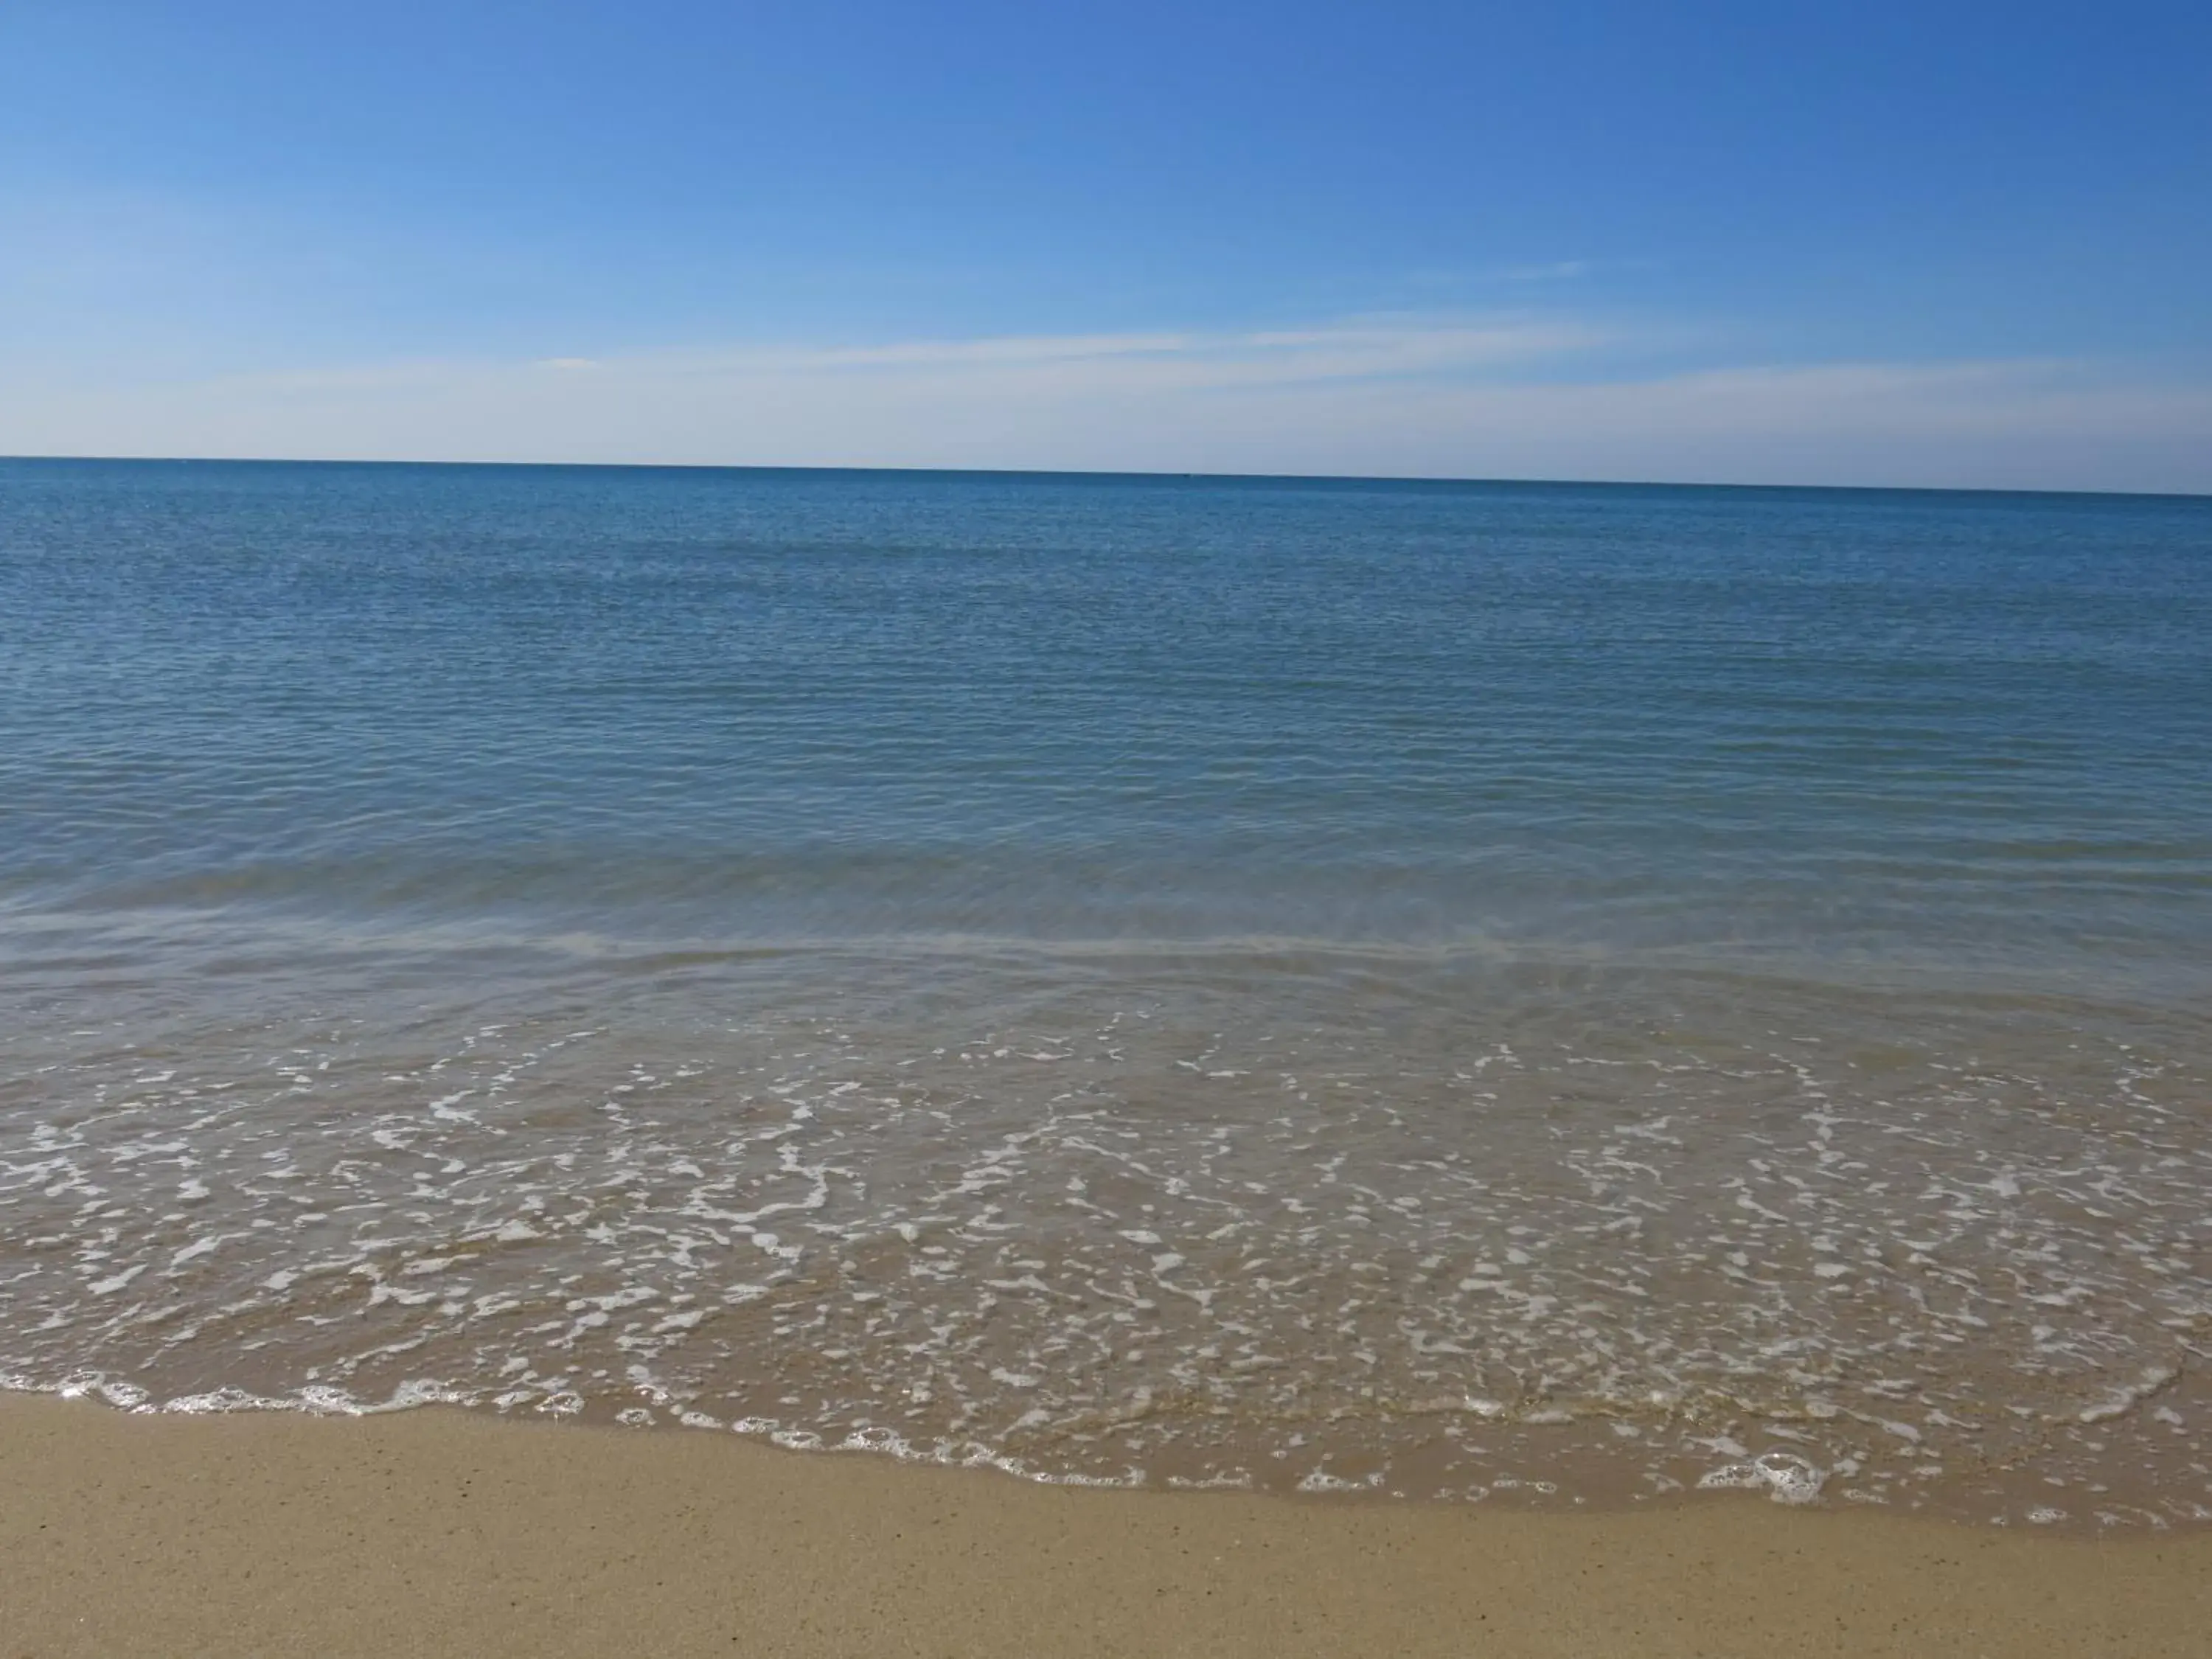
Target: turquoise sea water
x,y
1655,978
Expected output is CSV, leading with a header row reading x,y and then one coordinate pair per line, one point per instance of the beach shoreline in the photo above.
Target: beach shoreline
x,y
436,1531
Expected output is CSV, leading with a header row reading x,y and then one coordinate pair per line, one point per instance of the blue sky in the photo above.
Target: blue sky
x,y
1934,243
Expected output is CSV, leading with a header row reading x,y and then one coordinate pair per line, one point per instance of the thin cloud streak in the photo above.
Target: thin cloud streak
x,y
1367,347
1459,398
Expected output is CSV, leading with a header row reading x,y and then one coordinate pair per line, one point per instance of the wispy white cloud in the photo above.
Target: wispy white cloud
x,y
1450,397
1559,270
1353,350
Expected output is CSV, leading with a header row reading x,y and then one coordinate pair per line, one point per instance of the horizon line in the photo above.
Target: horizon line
x,y
1109,473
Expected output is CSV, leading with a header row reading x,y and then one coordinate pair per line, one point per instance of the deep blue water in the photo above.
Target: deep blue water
x,y
1856,732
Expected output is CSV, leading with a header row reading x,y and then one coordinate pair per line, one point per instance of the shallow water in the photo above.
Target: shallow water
x,y
1478,992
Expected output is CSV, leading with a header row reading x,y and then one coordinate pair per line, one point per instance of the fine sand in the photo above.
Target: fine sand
x,y
438,1533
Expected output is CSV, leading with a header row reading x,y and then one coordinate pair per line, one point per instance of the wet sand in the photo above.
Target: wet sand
x,y
433,1532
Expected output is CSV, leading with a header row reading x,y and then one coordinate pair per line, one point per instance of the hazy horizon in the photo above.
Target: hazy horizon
x,y
1102,474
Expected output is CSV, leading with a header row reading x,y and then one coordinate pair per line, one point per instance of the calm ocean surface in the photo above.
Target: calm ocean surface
x,y
1468,990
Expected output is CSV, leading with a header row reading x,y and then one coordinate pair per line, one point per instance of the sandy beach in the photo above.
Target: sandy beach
x,y
435,1532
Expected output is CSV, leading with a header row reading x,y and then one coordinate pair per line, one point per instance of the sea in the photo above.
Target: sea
x,y
1558,995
